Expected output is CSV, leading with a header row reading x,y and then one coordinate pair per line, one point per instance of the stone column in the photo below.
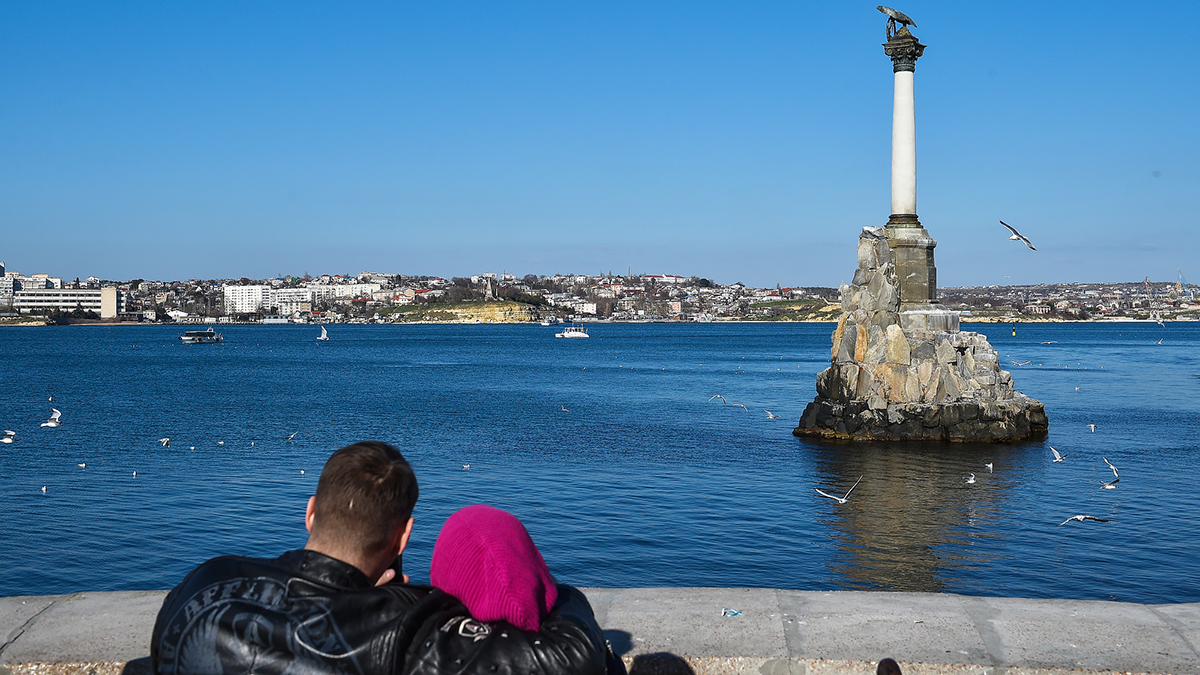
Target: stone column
x,y
912,247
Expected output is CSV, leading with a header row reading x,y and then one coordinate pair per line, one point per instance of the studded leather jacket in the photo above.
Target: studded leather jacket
x,y
305,613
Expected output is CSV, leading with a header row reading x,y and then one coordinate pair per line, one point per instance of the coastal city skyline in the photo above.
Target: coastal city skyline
x,y
742,144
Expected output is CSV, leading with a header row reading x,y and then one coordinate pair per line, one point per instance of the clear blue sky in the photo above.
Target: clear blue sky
x,y
742,141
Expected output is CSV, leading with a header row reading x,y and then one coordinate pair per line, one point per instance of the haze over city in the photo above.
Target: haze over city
x,y
736,142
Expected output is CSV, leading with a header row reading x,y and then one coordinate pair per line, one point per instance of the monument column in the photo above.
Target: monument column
x,y
911,245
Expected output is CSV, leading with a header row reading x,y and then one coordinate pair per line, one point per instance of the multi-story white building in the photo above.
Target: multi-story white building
x,y
247,299
106,302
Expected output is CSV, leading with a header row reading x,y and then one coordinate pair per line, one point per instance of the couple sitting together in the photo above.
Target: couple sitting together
x,y
341,605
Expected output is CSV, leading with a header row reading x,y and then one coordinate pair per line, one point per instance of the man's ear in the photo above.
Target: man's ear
x,y
402,541
310,513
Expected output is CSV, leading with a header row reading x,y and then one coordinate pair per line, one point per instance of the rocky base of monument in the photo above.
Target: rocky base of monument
x,y
892,378
993,421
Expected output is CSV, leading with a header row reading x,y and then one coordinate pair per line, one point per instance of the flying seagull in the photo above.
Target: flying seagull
x,y
989,466
741,405
1017,236
1112,484
771,415
166,442
53,420
292,435
1023,363
840,500
1082,518
971,480
1057,457
727,402
8,436
563,408
466,466
1092,427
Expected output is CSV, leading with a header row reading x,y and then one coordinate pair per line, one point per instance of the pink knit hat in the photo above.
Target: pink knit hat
x,y
485,558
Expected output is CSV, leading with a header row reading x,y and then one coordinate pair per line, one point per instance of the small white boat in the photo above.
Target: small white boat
x,y
575,330
200,337
324,334
550,321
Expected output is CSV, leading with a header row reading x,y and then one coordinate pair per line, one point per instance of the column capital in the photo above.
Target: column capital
x,y
904,49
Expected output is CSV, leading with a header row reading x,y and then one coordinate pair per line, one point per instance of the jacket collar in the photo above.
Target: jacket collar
x,y
324,569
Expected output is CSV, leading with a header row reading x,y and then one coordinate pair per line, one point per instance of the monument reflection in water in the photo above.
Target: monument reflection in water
x,y
905,527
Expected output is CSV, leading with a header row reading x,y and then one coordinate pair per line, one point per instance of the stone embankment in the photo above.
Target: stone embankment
x,y
911,375
719,631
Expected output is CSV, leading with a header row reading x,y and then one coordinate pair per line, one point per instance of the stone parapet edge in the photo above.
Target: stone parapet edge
x,y
715,631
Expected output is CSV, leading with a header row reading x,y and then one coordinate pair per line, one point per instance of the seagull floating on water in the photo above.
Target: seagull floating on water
x,y
1082,518
466,466
843,499
1017,236
1057,457
1112,484
83,465
8,436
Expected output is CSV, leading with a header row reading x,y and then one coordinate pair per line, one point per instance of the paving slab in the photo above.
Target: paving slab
x,y
922,627
17,612
1089,635
693,622
89,627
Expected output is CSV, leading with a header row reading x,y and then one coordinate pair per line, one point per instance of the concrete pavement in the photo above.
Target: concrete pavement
x,y
688,630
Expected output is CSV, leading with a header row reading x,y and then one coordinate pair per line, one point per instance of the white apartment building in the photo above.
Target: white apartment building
x,y
247,299
106,302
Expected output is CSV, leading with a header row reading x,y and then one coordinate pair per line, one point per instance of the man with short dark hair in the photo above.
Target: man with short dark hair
x,y
333,607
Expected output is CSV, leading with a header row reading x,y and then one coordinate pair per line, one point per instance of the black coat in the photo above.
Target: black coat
x,y
305,613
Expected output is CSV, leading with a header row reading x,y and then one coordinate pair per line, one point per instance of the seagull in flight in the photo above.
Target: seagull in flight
x,y
1092,427
1159,341
739,405
292,435
1050,342
466,466
1057,457
1082,518
83,465
840,500
166,442
1017,236
971,480
989,466
727,402
1112,484
53,420
1023,363
8,436
563,408
771,415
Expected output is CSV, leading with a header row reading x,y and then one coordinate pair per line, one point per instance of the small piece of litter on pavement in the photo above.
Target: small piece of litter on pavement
x,y
730,612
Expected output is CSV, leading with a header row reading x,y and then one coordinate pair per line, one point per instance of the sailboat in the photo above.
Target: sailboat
x,y
324,334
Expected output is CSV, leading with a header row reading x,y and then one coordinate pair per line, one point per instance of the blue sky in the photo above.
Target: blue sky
x,y
739,141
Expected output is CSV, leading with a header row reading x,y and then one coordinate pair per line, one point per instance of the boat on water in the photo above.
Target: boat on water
x,y
200,337
575,330
324,334
550,321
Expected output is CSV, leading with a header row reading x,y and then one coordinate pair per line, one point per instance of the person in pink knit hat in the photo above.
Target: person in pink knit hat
x,y
486,558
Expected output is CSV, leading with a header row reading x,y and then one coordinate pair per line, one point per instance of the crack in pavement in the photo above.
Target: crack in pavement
x,y
20,630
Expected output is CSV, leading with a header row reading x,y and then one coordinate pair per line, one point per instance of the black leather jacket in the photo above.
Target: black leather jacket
x,y
305,613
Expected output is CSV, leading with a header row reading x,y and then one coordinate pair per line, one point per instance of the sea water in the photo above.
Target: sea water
x,y
612,451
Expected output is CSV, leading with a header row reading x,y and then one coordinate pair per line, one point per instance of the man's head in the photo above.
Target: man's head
x,y
363,507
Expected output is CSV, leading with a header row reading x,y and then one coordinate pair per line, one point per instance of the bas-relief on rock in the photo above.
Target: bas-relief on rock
x,y
886,383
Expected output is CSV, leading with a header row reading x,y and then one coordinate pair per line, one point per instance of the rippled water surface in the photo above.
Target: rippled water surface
x,y
643,482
